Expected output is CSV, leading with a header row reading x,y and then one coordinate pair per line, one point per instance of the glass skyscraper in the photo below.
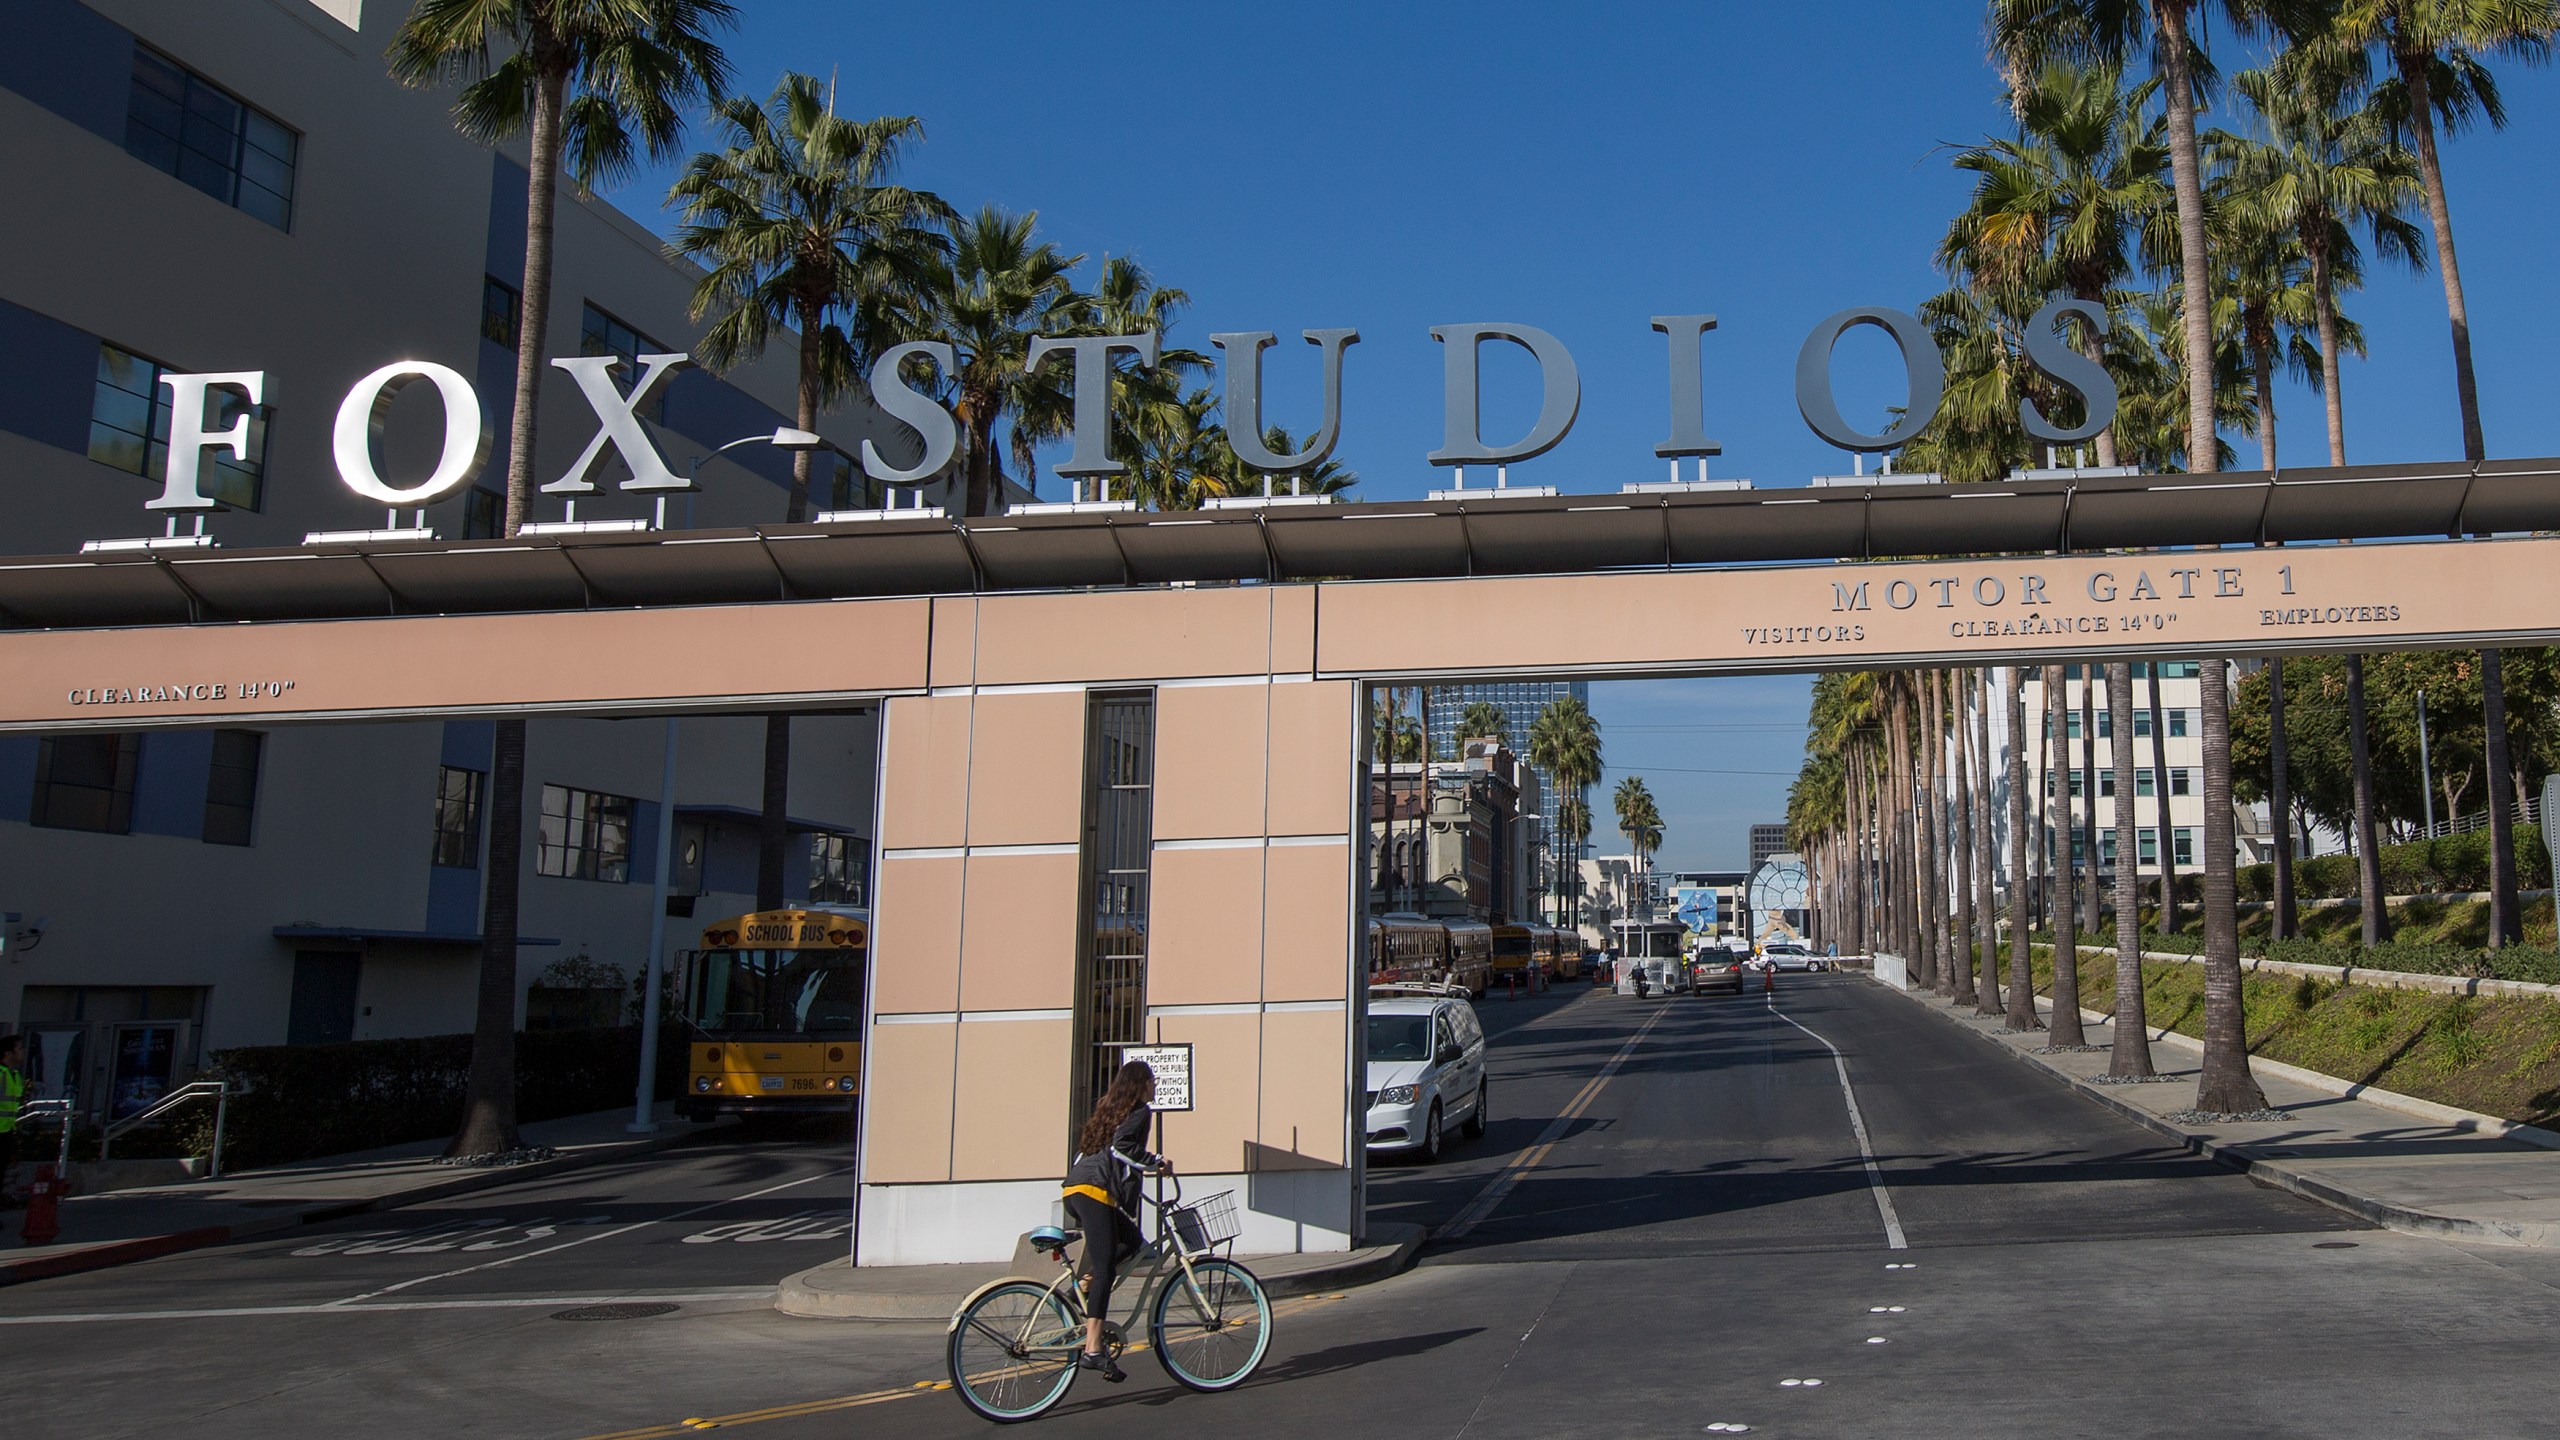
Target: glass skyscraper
x,y
1520,701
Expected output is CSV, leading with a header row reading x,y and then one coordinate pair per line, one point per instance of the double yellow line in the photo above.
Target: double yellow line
x,y
1490,1198
698,1423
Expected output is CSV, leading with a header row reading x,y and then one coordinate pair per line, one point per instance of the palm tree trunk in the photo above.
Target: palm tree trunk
x,y
2195,266
2422,137
2067,1031
2506,925
1960,951
2279,801
1985,900
489,1091
2160,811
2262,367
805,462
2022,975
2131,1057
773,825
2377,915
2092,913
2324,307
2225,1085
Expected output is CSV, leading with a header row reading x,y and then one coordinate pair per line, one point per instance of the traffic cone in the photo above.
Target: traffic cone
x,y
44,1218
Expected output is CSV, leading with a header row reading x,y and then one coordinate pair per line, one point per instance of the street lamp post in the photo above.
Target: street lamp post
x,y
2426,774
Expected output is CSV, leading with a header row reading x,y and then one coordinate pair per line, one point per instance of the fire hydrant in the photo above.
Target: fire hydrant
x,y
44,1208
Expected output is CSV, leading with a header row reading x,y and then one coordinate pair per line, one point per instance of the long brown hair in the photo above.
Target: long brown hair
x,y
1134,1086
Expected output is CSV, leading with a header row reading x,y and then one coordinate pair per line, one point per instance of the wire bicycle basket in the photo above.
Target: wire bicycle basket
x,y
1205,1224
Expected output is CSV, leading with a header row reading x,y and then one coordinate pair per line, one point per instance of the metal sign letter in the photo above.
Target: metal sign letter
x,y
1092,455
2065,366
1920,361
359,430
618,422
913,409
1688,404
1244,399
188,437
1464,425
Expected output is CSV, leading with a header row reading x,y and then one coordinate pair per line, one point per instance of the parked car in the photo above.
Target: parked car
x,y
1716,969
1426,1073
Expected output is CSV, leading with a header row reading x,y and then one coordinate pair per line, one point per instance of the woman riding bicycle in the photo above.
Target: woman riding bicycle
x,y
1101,1192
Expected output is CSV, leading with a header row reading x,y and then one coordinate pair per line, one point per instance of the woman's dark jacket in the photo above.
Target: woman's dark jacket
x,y
1115,1173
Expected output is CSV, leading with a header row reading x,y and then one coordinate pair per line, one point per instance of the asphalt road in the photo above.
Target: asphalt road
x,y
1651,1253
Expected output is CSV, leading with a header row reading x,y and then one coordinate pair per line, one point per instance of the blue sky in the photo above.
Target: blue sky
x,y
1392,167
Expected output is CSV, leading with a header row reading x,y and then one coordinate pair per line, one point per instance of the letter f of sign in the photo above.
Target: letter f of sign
x,y
618,423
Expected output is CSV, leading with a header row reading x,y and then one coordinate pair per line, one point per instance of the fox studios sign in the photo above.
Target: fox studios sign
x,y
357,432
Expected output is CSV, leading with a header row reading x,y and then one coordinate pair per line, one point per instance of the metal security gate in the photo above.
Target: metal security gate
x,y
1119,836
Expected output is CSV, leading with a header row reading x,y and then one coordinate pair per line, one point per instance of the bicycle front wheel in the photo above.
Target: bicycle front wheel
x,y
1013,1352
1211,1329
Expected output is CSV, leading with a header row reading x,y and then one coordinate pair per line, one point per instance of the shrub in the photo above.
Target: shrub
x,y
302,1101
2457,863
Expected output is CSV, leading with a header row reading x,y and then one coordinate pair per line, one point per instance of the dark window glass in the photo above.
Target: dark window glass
x,y
231,787
480,512
85,782
458,817
501,311
180,122
836,869
586,835
2182,781
2179,723
129,429
601,334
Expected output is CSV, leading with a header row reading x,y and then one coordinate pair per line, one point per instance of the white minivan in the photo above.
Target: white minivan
x,y
1426,1072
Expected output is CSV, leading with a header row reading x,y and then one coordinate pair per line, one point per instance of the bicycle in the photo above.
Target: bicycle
x,y
1013,1344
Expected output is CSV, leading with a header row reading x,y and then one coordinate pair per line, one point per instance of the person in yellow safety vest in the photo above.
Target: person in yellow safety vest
x,y
13,1089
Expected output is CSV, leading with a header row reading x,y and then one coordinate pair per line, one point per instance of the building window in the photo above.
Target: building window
x,y
501,311
129,429
586,835
836,869
180,122
2147,845
2183,843
458,817
2182,781
2180,723
231,787
1119,838
85,782
600,334
480,513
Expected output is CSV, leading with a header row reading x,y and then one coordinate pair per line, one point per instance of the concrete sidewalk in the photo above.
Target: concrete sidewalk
x,y
2400,1162
839,1291
121,1226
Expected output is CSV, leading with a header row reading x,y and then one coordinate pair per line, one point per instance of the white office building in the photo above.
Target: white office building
x,y
240,186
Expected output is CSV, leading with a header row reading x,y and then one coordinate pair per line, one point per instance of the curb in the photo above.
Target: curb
x,y
2404,1219
107,1254
801,1298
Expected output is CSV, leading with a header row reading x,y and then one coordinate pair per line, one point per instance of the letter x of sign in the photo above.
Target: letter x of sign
x,y
618,423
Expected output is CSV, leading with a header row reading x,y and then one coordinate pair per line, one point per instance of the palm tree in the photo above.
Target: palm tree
x,y
798,228
1484,720
1985,861
1395,735
1638,820
2067,1033
590,84
2022,988
1961,852
2433,48
999,287
1564,743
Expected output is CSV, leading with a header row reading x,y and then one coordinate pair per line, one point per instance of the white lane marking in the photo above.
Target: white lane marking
x,y
1858,1125
1496,1190
829,1223
339,1307
600,1235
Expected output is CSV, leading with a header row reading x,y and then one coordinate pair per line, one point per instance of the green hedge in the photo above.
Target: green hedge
x,y
2408,957
303,1101
2454,864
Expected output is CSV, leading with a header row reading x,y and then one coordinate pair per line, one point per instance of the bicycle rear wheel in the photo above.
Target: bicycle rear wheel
x,y
1211,1330
1013,1351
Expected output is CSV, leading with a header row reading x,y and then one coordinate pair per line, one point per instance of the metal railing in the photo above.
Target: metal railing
x,y
60,1112
214,1090
2528,811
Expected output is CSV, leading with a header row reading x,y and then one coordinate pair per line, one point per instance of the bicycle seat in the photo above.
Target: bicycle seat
x,y
1051,1238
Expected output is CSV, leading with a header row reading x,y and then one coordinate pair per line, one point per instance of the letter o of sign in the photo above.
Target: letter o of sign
x,y
361,417
1990,583
1901,594
1924,367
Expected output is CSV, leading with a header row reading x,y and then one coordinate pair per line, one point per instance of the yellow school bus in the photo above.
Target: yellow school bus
x,y
774,999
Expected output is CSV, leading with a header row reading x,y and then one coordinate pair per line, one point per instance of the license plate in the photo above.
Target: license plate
x,y
770,1082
